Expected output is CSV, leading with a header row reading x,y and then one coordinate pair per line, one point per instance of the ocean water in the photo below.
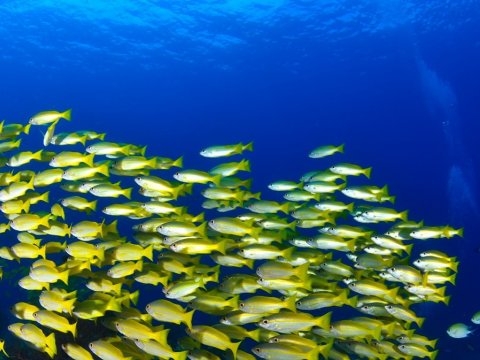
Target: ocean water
x,y
396,81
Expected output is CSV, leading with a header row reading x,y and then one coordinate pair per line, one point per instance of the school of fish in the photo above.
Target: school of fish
x,y
325,273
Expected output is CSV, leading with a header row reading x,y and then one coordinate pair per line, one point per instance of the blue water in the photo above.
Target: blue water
x,y
397,81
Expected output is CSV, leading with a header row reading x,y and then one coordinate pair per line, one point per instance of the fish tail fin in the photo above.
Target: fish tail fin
x,y
287,253
37,155
181,355
17,143
285,208
117,288
141,150
188,188
114,305
178,163
307,284
127,193
312,354
433,355
125,150
433,343
69,304
92,205
350,207
187,318
248,146
152,163
63,276
351,245
454,266
110,228
73,329
441,291
26,129
408,249
44,221
101,254
161,336
244,165
302,271
43,251
50,352
234,348
452,278
325,349
247,183
30,185
420,321
233,302
292,225
67,114
221,247
368,172
50,341
139,267
459,232
389,329
45,196
255,334
392,292
352,301
324,321
89,159
255,232
25,206
446,299
83,139
249,263
290,304
148,252
391,199
202,228
216,179
377,333
341,148
104,169
404,215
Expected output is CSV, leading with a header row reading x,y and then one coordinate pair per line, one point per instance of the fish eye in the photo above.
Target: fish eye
x,y
389,307
264,321
242,305
394,269
90,345
257,349
177,173
299,303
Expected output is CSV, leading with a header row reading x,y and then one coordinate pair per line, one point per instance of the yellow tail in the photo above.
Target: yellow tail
x,y
67,115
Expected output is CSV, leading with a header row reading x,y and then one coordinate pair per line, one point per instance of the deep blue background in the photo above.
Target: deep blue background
x,y
287,75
